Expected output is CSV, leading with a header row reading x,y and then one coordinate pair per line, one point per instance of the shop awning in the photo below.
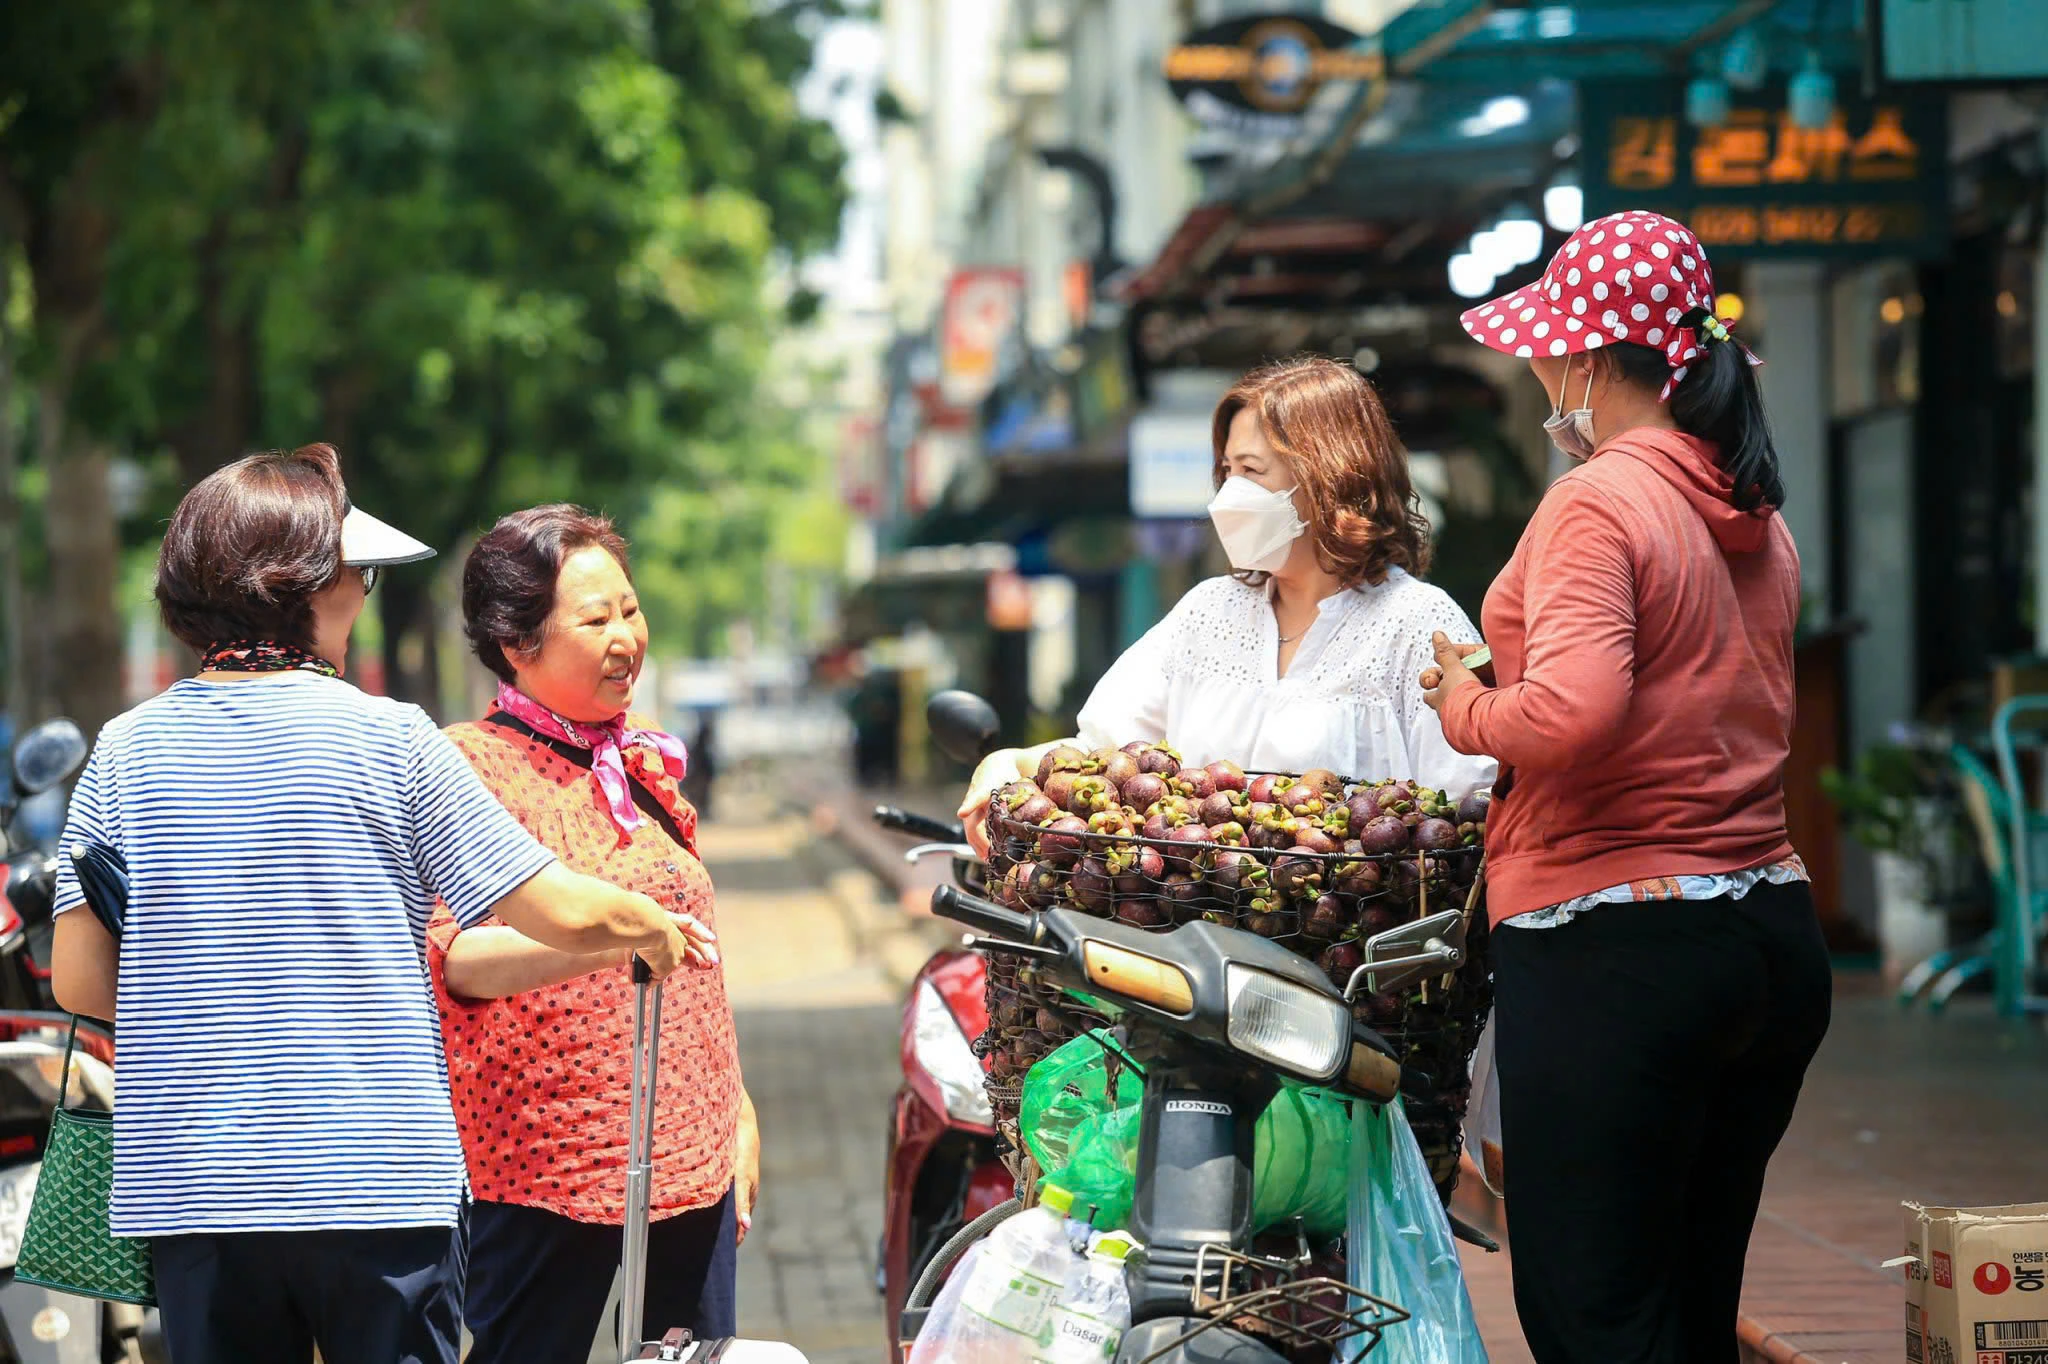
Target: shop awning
x,y
1611,39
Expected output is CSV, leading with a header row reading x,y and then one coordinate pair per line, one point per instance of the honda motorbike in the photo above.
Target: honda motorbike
x,y
942,1167
1215,1017
39,1325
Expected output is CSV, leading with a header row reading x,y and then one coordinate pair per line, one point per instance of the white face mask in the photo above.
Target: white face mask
x,y
1572,432
1256,525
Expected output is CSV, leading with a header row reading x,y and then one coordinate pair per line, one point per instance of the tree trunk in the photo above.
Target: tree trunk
x,y
15,700
84,628
221,430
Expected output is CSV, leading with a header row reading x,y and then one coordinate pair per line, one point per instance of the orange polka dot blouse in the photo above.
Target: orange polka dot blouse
x,y
540,1080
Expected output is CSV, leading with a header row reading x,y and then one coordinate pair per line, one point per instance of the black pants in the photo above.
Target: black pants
x,y
1649,1056
364,1297
538,1280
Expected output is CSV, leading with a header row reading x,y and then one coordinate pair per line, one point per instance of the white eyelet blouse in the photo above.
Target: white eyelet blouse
x,y
1205,679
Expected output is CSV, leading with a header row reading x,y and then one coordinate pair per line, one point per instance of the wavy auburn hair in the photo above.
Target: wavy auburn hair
x,y
1327,422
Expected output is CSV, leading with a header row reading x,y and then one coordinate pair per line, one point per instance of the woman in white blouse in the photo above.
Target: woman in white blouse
x,y
1306,656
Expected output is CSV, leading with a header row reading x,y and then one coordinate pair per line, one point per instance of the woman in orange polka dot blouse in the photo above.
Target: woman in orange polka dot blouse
x,y
539,1041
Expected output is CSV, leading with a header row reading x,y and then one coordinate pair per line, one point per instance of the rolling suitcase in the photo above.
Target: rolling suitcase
x,y
677,1343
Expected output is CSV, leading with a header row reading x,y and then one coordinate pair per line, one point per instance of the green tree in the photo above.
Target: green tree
x,y
499,251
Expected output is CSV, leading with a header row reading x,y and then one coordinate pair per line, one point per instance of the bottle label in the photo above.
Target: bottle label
x,y
1074,1337
1008,1297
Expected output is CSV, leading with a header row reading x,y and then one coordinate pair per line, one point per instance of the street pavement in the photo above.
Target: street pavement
x,y
814,964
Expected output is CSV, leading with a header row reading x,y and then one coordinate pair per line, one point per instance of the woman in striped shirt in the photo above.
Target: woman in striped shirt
x,y
284,1135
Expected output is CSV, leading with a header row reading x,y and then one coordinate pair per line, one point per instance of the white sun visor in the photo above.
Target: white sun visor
x,y
365,541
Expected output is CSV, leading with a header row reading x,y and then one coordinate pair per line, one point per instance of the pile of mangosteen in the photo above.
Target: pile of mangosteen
x,y
1310,860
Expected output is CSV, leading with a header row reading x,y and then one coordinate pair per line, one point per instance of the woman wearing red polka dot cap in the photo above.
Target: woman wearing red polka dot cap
x,y
1661,983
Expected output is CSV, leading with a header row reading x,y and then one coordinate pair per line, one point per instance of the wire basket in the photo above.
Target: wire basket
x,y
1283,1301
1256,864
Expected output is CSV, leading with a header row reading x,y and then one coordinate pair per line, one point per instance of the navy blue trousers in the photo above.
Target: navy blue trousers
x,y
364,1297
538,1281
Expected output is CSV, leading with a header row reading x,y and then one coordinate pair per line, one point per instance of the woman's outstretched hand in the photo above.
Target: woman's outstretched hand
x,y
1450,672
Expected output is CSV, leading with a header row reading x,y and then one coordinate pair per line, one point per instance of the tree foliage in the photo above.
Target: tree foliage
x,y
499,251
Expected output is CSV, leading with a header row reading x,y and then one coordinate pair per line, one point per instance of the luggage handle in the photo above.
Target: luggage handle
x,y
639,1158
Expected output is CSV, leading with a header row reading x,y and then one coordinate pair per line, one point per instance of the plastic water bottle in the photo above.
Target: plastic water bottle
x,y
1094,1307
1078,1230
998,1302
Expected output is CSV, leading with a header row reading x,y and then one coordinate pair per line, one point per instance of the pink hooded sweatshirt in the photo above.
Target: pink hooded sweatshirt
x,y
1642,642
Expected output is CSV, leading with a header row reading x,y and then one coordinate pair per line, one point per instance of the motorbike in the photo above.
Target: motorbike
x,y
39,1325
1214,1016
942,1170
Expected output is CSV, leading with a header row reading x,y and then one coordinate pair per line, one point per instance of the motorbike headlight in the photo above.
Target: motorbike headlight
x,y
942,1050
1288,1026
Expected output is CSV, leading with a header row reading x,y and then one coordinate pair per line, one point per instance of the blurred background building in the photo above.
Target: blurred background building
x,y
1099,212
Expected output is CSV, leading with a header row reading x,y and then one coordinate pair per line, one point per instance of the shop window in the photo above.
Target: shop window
x,y
1876,320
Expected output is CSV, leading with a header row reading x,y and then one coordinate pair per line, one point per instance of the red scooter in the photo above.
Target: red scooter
x,y
942,1170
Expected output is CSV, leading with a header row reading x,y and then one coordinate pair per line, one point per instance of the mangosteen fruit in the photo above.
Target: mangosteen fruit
x,y
1298,871
1190,844
1059,786
1266,787
1339,961
1114,822
1302,799
1383,834
1090,796
1218,809
1160,760
1361,809
1228,776
1048,1022
1314,839
1229,834
1473,809
1059,841
1063,758
1142,912
1326,920
1323,781
1194,783
1435,834
1359,879
1090,885
1145,790
1377,920
1275,925
1233,870
1116,767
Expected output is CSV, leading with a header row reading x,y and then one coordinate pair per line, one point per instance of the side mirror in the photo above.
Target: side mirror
x,y
1404,954
964,725
46,755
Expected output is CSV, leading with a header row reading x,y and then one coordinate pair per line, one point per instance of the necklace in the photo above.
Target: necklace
x,y
1289,639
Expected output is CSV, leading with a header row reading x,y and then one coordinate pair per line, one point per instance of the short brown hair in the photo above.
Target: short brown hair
x,y
1327,421
250,545
508,581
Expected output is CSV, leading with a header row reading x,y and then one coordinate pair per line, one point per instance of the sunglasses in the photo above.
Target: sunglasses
x,y
369,572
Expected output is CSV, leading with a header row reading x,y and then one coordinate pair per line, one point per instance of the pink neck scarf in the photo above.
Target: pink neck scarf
x,y
607,744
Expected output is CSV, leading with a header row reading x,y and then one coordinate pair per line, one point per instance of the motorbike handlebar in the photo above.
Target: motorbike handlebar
x,y
921,826
950,902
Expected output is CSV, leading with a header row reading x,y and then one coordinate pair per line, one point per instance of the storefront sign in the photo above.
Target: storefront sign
x,y
981,311
1172,464
1256,73
1871,183
1963,40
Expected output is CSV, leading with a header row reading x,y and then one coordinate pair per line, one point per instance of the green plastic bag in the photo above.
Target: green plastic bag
x,y
1067,1088
1102,1173
1087,1142
1301,1152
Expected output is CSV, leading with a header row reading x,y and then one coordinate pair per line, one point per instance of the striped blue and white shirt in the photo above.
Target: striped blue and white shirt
x,y
279,1054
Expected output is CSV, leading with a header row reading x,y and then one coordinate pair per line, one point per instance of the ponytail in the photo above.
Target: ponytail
x,y
1719,400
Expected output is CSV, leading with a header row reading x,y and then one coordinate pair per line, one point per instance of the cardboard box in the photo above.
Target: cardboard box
x,y
1977,1285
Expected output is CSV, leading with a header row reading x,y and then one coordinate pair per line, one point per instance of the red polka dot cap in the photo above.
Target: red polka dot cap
x,y
1633,276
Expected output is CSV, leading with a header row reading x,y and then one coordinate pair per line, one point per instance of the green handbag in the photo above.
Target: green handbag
x,y
66,1244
